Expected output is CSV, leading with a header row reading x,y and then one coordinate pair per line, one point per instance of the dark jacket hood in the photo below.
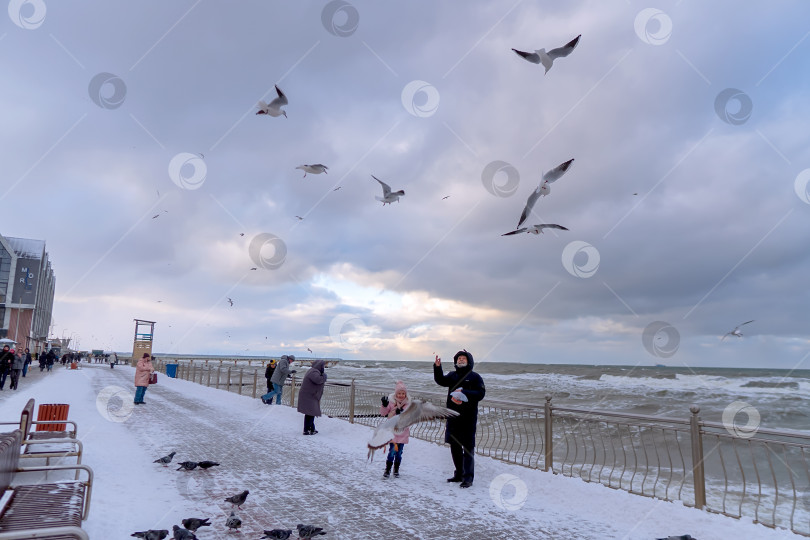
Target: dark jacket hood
x,y
470,361
318,364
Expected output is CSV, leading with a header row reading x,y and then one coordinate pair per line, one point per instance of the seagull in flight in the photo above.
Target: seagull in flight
x,y
275,107
316,168
230,301
300,218
543,189
417,411
736,332
388,195
540,56
446,197
536,229
337,188
310,350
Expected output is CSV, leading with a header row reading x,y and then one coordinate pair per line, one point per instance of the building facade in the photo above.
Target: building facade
x,y
27,286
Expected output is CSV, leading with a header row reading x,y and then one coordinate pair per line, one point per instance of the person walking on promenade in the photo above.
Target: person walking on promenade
x,y
50,359
16,368
309,397
42,356
465,388
279,376
268,373
393,405
26,361
142,372
6,359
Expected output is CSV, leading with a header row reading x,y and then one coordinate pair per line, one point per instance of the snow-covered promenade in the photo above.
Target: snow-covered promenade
x,y
322,479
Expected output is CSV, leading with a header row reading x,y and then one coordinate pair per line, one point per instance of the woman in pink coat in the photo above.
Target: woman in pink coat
x,y
142,372
393,405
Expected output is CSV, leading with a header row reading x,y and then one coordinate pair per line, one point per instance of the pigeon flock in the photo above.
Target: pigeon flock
x,y
233,522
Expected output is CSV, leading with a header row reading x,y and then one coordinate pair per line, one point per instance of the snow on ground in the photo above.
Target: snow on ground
x,y
323,479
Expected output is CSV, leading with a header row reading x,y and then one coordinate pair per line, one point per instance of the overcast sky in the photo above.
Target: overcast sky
x,y
687,205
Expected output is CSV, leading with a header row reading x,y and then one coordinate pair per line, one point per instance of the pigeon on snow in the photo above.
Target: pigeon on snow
x,y
275,106
536,229
207,464
308,531
277,534
183,534
540,56
316,168
187,465
388,195
417,411
151,534
543,189
233,522
193,524
736,332
238,500
165,460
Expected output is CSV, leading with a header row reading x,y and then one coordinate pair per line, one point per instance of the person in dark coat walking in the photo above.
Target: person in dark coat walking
x,y
6,359
279,376
309,397
465,388
26,361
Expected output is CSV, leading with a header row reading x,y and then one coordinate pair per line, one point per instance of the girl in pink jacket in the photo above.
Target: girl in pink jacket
x,y
393,405
142,372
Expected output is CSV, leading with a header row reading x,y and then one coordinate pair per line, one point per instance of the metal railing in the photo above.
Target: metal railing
x,y
764,475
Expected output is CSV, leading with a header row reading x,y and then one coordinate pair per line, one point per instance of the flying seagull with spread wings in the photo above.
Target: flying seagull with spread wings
x,y
736,332
388,195
536,229
417,411
275,106
540,56
315,168
543,189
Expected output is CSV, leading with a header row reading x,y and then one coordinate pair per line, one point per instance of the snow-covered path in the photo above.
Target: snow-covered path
x,y
322,479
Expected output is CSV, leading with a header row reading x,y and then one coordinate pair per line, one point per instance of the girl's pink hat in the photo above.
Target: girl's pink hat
x,y
400,386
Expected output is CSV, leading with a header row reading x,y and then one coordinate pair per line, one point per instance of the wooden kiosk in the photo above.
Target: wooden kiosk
x,y
143,339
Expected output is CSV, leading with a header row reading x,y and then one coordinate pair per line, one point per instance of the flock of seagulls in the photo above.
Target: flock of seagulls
x,y
233,522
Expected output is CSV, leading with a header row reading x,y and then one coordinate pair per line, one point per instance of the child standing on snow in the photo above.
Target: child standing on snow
x,y
393,405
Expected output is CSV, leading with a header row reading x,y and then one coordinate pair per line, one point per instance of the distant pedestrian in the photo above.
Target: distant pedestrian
x,y
142,373
309,397
393,405
16,368
50,359
42,357
6,359
465,390
268,373
280,375
27,360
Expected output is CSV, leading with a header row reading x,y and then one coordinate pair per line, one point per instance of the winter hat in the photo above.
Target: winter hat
x,y
400,386
13,351
291,358
145,355
272,361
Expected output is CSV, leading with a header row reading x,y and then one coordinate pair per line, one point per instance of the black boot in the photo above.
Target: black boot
x,y
396,469
387,472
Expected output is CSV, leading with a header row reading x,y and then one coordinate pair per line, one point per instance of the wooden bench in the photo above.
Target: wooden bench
x,y
52,511
47,444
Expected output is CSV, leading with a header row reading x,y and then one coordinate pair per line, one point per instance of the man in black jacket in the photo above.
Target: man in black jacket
x,y
6,359
465,389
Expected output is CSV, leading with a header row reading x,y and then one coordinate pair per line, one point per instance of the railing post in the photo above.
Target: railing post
x,y
241,372
351,403
228,384
548,447
292,390
697,458
255,379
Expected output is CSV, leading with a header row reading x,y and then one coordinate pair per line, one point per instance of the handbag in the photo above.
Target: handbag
x,y
153,378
